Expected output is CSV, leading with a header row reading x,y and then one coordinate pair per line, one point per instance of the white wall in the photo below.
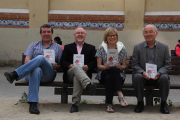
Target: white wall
x,y
14,41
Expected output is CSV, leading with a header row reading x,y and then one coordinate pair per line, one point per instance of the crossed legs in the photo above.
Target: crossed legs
x,y
37,70
80,80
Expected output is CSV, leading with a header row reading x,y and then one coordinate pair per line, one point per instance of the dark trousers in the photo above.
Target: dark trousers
x,y
139,82
113,82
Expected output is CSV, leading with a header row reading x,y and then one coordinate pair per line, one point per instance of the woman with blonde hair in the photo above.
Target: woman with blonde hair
x,y
112,75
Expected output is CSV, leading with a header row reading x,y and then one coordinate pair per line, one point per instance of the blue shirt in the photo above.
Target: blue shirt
x,y
36,48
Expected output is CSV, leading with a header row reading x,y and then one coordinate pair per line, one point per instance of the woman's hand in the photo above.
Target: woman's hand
x,y
117,65
107,65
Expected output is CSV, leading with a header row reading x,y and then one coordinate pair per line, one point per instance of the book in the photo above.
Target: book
x,y
151,70
112,56
49,55
78,59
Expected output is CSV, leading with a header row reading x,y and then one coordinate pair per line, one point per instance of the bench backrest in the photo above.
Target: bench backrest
x,y
175,62
175,68
172,52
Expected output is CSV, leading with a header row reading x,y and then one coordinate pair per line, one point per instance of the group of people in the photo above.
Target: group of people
x,y
37,69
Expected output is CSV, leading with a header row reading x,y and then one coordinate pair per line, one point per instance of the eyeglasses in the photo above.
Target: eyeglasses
x,y
110,36
80,33
150,32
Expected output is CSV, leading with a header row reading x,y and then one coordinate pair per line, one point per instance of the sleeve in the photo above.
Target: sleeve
x,y
64,58
30,50
59,55
167,62
135,61
124,53
99,52
92,65
177,49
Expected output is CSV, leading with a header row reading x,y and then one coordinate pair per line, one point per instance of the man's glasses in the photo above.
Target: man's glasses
x,y
150,32
82,33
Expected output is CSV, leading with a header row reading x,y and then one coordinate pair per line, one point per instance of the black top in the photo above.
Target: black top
x,y
89,58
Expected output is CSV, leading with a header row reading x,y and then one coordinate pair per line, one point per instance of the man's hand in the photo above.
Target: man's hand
x,y
27,59
145,76
85,67
107,65
117,65
54,65
156,76
70,66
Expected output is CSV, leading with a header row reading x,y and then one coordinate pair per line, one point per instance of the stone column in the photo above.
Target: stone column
x,y
38,13
134,14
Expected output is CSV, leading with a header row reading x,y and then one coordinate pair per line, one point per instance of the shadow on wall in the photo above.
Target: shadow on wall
x,y
13,63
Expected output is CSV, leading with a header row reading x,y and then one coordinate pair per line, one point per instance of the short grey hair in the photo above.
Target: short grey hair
x,y
152,25
79,27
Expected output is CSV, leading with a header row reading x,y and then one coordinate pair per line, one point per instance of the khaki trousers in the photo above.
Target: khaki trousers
x,y
80,80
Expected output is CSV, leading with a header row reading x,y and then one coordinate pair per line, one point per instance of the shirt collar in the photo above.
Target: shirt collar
x,y
145,44
52,42
78,44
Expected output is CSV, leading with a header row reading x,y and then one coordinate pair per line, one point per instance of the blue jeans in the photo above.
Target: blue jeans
x,y
35,71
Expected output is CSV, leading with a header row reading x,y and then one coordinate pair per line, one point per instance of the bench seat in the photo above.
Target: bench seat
x,y
65,89
98,85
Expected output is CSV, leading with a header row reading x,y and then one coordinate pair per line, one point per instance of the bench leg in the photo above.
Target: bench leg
x,y
64,96
149,99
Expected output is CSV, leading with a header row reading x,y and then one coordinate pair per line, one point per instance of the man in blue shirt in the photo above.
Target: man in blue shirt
x,y
37,68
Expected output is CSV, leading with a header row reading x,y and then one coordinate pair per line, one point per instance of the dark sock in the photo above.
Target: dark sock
x,y
163,102
87,87
15,75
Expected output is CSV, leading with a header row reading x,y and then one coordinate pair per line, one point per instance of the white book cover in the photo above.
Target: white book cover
x,y
49,55
151,70
78,59
112,56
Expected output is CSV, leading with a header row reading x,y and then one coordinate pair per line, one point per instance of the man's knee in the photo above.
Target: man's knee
x,y
41,57
138,78
76,68
164,79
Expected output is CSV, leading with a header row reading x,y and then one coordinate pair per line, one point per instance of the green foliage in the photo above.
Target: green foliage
x,y
170,102
84,101
23,98
103,100
158,100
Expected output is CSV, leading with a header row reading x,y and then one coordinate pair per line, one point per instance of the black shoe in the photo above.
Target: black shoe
x,y
74,108
91,88
10,76
164,108
140,107
33,108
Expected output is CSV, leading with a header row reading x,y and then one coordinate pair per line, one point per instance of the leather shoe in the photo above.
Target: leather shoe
x,y
74,108
9,76
164,108
140,107
91,88
33,108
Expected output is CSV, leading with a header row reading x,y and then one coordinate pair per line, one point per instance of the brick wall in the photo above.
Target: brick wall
x,y
7,20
